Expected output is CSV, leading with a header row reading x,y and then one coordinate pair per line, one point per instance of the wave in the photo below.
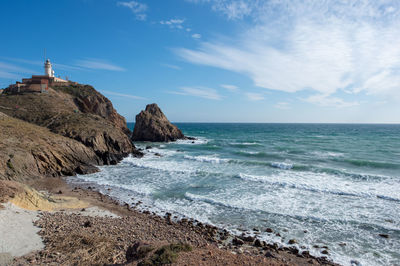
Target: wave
x,y
256,154
371,164
245,144
205,158
284,166
197,141
307,187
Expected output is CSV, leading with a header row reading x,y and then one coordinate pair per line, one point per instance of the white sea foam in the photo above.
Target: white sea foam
x,y
205,158
197,141
327,154
282,165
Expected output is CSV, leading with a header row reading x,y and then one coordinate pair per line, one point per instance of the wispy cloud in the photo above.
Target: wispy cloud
x,y
98,64
231,9
123,95
137,8
231,88
320,46
173,23
282,105
330,101
252,96
11,71
196,36
172,66
201,92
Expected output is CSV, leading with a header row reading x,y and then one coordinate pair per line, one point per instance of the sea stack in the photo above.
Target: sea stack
x,y
152,125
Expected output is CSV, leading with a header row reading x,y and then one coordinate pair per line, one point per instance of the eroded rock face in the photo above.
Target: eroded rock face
x,y
152,125
29,151
78,112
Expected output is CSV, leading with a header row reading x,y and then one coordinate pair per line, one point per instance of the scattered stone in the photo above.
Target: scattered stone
x,y
87,224
248,238
268,230
148,147
59,192
268,254
292,241
138,250
237,241
384,235
257,243
325,252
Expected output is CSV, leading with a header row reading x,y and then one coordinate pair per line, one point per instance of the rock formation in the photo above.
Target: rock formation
x,y
152,125
78,112
29,151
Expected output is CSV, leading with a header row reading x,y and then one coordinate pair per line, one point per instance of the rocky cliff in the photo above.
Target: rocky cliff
x,y
152,125
78,112
29,151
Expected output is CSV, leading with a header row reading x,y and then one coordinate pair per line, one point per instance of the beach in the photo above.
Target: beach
x,y
102,232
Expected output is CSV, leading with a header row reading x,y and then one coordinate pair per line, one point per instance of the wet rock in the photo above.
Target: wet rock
x,y
258,243
247,238
237,241
325,252
268,230
292,241
384,235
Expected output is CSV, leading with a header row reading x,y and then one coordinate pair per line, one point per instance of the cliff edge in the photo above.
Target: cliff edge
x,y
57,132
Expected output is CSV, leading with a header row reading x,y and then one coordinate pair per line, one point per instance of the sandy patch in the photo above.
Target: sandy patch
x,y
18,234
93,212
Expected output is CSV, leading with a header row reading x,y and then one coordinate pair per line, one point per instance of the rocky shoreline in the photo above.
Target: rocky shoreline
x,y
210,245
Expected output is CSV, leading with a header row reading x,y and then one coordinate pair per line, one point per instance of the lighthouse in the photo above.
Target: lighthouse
x,y
48,70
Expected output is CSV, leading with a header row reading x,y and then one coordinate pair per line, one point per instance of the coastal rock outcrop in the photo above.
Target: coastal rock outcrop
x,y
78,112
152,125
29,151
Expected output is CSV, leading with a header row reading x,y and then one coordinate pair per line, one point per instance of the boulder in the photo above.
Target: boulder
x,y
152,125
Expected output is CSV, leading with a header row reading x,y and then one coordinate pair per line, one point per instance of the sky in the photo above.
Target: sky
x,y
273,61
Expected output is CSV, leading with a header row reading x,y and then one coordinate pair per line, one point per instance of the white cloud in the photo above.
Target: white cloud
x,y
123,95
172,66
330,101
282,105
173,23
321,46
196,36
137,8
231,88
254,96
98,64
201,92
236,9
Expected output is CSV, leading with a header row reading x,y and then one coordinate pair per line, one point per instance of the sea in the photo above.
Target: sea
x,y
324,185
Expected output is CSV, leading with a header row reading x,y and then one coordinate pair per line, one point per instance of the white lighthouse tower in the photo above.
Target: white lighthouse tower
x,y
48,70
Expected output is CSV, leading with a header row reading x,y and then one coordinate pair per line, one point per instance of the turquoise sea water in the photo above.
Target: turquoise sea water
x,y
322,184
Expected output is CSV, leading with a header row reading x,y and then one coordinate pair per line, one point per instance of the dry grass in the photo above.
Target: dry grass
x,y
88,249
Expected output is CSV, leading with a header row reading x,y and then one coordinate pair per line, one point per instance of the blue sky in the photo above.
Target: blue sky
x,y
217,60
